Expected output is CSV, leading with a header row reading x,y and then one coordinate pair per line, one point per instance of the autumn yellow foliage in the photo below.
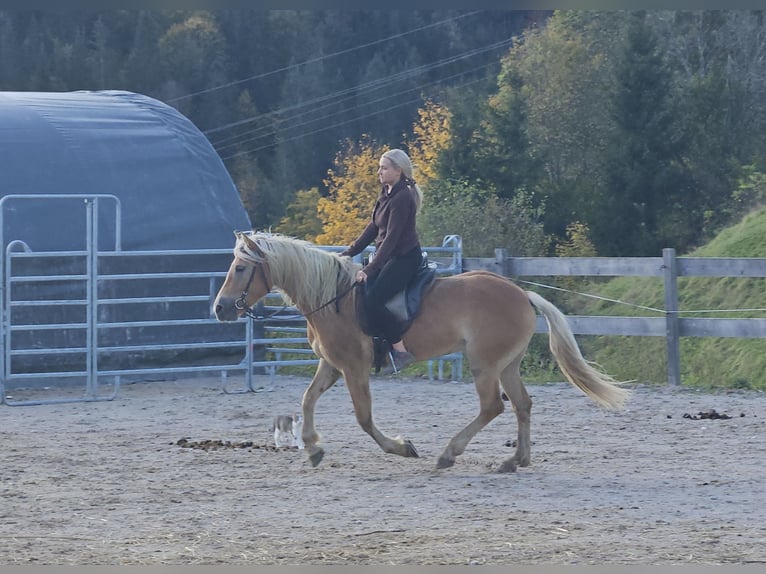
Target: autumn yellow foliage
x,y
577,244
431,137
353,188
352,183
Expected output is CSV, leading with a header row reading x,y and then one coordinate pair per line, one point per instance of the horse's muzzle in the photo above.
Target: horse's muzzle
x,y
225,311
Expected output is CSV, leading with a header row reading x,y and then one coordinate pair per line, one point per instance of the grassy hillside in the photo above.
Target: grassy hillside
x,y
705,361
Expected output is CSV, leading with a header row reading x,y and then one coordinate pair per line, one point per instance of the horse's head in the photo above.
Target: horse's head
x,y
246,281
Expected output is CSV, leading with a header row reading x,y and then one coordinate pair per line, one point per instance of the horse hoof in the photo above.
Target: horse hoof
x,y
316,458
507,466
444,462
410,450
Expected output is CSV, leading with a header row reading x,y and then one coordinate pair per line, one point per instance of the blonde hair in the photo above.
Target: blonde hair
x,y
403,162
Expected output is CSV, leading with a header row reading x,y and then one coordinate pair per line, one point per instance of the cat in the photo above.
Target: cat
x,y
287,430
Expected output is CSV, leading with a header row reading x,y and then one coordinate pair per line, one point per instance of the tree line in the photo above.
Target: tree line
x,y
275,91
567,132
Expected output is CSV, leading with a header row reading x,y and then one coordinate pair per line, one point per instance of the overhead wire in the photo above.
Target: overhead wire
x,y
345,95
320,58
319,130
270,130
375,84
325,128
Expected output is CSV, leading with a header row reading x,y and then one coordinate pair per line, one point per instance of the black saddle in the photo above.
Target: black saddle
x,y
405,306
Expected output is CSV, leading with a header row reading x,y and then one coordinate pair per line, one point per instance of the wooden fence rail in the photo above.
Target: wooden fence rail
x,y
668,267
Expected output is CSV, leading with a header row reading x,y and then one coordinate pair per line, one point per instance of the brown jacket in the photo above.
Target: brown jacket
x,y
392,226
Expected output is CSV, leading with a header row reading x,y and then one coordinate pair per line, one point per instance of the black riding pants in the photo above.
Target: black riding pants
x,y
393,277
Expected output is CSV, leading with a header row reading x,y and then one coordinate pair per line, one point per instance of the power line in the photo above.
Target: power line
x,y
337,98
372,83
272,131
348,121
312,132
325,128
320,58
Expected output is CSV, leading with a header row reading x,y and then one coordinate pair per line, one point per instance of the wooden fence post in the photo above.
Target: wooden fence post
x,y
672,330
501,260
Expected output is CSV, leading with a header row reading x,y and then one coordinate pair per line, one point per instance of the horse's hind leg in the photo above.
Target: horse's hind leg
x,y
359,388
491,405
510,379
325,377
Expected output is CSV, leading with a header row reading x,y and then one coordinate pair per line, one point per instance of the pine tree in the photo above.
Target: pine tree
x,y
10,55
644,174
301,219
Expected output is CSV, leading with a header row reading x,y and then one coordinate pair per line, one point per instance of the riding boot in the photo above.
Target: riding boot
x,y
398,361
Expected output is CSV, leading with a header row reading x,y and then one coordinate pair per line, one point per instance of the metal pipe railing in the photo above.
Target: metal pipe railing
x,y
23,338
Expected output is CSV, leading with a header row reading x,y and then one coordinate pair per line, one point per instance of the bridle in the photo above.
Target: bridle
x,y
241,302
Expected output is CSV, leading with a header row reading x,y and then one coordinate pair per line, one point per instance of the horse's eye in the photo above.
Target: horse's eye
x,y
239,268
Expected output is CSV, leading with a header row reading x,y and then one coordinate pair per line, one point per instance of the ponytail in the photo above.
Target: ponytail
x,y
403,162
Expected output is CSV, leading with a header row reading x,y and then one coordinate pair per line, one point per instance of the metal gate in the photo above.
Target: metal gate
x,y
80,276
96,318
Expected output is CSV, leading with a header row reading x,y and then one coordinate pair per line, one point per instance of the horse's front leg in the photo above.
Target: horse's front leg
x,y
359,388
325,377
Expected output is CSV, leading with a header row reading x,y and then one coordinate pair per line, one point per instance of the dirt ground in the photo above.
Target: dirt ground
x,y
107,482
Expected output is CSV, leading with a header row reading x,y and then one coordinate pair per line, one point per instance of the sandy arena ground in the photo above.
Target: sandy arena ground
x,y
107,483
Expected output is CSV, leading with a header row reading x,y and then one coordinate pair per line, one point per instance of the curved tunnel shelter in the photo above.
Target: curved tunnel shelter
x,y
174,190
175,195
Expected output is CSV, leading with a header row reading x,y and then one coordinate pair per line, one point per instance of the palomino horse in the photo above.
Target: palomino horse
x,y
484,315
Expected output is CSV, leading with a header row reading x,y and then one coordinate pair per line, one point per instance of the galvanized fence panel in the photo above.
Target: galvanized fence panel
x,y
98,325
80,279
104,317
281,339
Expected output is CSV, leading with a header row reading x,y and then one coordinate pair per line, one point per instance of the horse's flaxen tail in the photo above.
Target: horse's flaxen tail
x,y
596,384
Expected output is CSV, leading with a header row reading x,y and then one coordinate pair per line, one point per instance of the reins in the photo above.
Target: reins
x,y
335,300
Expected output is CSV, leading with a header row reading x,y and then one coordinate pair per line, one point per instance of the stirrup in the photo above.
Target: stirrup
x,y
394,368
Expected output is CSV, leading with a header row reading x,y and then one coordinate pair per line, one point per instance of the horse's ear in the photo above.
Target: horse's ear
x,y
252,245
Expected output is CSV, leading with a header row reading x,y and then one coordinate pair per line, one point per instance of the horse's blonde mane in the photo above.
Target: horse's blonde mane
x,y
304,274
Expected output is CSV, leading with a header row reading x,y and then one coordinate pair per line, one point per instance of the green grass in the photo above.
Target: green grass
x,y
709,362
